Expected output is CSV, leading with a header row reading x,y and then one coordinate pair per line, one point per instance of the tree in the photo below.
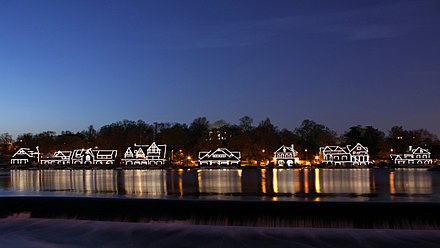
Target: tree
x,y
312,136
176,137
246,123
265,140
5,143
90,135
399,139
46,141
70,141
287,137
367,136
198,135
25,140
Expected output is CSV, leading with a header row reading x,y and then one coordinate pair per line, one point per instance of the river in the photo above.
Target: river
x,y
405,185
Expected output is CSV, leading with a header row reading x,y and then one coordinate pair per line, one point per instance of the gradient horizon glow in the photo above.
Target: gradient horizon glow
x,y
65,65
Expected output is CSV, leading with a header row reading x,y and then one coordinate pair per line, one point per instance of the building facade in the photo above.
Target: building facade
x,y
345,156
220,157
145,155
417,156
25,156
57,158
93,157
286,156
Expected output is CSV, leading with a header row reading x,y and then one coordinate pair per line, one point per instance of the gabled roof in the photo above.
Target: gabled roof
x,y
146,150
58,155
104,152
153,146
333,149
328,148
139,151
23,152
396,156
81,152
420,150
359,145
230,155
160,147
62,154
284,148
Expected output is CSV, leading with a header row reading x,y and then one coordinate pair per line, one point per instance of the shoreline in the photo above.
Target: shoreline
x,y
434,167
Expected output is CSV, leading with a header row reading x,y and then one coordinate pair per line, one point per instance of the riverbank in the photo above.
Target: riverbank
x,y
169,167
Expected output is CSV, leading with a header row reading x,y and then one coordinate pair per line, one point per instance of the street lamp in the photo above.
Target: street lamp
x,y
307,155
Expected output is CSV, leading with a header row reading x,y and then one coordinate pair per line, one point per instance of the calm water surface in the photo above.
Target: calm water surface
x,y
240,184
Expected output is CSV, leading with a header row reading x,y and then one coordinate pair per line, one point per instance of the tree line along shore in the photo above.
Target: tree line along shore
x,y
255,142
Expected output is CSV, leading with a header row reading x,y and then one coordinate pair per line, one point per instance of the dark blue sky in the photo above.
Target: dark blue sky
x,y
67,64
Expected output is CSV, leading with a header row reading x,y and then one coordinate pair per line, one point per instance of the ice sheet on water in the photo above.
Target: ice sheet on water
x,y
27,232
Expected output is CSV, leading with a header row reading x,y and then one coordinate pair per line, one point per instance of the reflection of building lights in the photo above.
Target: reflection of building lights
x,y
180,183
275,180
317,182
263,181
392,183
219,181
306,181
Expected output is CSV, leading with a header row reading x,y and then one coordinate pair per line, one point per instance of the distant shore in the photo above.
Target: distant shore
x,y
7,166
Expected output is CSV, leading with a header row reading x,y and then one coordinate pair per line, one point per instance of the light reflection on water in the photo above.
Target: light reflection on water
x,y
410,181
335,181
144,182
267,184
225,181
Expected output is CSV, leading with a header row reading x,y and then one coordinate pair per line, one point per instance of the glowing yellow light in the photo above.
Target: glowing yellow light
x,y
306,181
275,180
317,182
263,181
392,183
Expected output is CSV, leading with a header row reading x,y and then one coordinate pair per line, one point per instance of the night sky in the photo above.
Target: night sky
x,y
65,65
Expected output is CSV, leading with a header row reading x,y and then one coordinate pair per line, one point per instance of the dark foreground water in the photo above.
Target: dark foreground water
x,y
81,233
257,208
402,185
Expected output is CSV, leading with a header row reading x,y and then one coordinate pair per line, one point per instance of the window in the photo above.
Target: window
x,y
154,149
